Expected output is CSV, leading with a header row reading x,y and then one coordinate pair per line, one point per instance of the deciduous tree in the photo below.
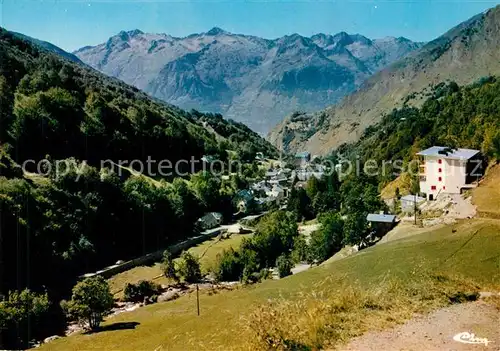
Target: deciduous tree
x,y
90,302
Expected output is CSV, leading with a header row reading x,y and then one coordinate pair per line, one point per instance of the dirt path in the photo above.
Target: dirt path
x,y
437,330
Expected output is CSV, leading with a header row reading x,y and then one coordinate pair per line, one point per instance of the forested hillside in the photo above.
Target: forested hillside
x,y
55,227
454,116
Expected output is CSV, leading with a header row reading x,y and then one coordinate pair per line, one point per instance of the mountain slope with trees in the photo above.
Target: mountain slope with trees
x,y
49,47
458,117
463,55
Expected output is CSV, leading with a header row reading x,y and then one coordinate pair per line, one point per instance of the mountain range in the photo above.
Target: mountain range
x,y
249,79
465,54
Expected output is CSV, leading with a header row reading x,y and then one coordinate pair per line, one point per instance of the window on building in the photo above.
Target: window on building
x,y
444,188
440,170
440,179
433,187
440,161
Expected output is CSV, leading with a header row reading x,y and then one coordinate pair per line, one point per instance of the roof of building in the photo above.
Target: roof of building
x,y
384,218
235,229
306,175
208,158
271,174
211,215
278,187
258,185
303,154
445,152
244,194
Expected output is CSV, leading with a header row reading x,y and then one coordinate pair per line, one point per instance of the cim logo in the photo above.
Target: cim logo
x,y
469,338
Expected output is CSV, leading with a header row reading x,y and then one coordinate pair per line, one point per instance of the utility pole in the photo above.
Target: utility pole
x,y
197,299
415,207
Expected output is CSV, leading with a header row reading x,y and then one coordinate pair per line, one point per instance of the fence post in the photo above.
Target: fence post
x,y
197,299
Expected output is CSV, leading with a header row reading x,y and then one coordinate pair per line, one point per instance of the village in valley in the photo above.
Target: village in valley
x,y
444,175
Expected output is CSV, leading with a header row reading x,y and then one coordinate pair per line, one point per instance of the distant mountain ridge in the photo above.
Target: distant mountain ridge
x,y
250,79
464,54
48,47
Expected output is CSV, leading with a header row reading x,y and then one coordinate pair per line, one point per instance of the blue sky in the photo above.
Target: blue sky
x,y
71,24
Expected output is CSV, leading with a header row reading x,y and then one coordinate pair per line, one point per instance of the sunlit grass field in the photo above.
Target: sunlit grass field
x,y
469,249
487,196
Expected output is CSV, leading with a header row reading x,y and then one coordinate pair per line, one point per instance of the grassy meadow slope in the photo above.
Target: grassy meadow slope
x,y
328,305
487,196
464,54
420,264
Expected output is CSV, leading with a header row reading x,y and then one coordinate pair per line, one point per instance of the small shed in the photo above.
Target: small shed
x,y
381,223
381,218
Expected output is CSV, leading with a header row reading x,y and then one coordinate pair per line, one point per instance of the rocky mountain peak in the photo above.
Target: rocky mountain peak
x,y
127,35
343,39
358,38
216,31
135,32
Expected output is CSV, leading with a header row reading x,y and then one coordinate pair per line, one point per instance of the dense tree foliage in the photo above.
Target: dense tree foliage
x,y
359,198
318,196
328,239
23,317
228,266
300,252
138,292
284,265
275,235
189,267
168,266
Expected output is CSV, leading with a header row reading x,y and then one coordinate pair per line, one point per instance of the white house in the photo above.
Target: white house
x,y
446,170
277,193
305,175
260,186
